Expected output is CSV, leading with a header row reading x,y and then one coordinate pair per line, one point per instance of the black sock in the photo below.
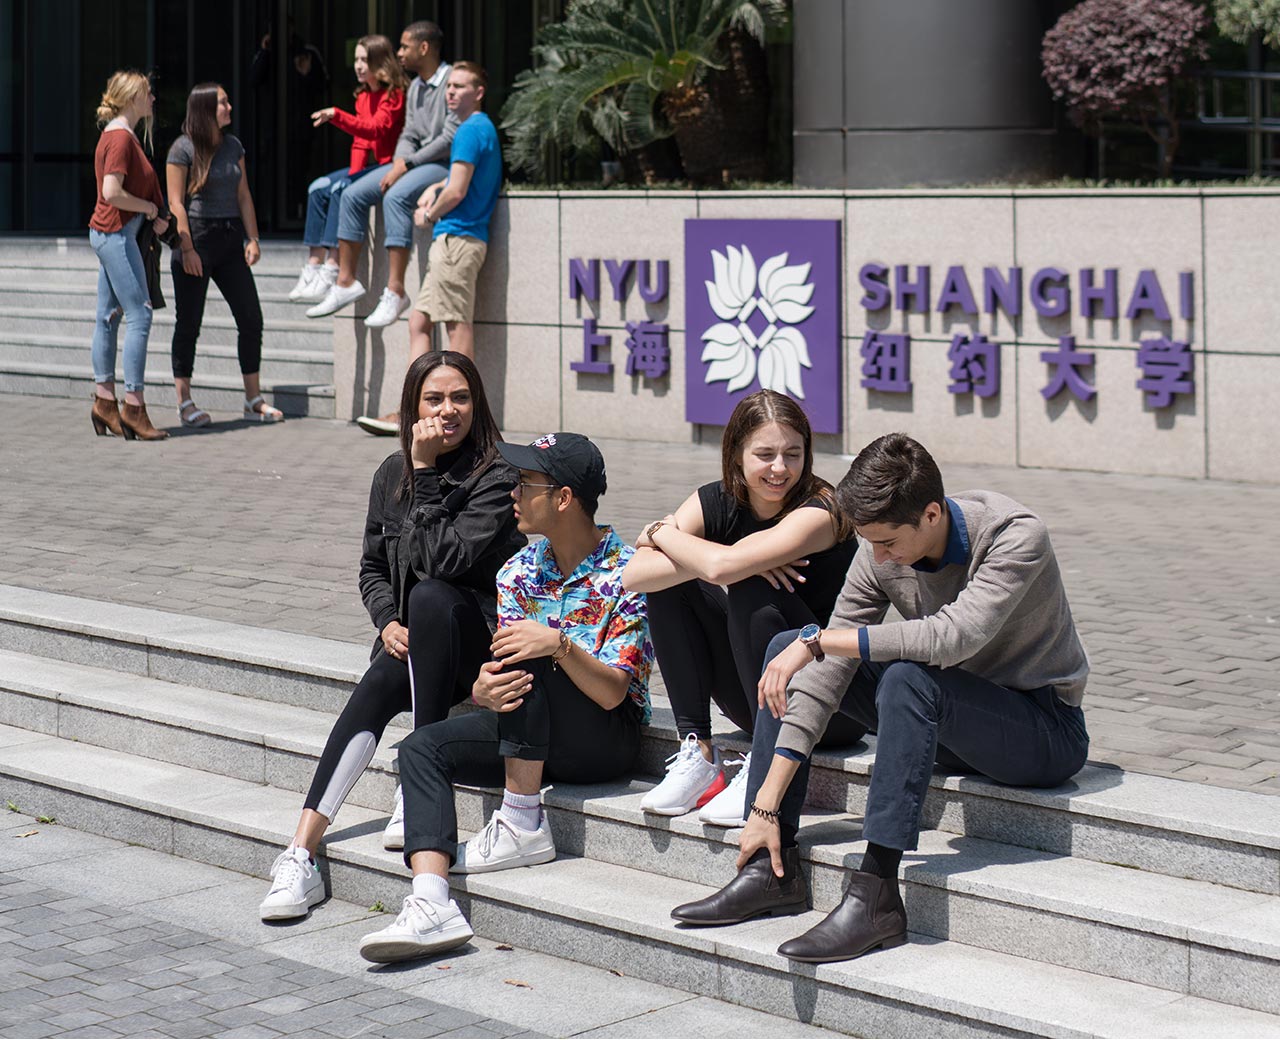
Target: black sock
x,y
881,860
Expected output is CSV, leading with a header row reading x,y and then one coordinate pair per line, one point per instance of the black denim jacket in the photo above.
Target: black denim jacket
x,y
455,525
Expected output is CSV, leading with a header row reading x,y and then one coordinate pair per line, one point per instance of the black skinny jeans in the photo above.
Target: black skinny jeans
x,y
448,641
711,646
220,245
579,742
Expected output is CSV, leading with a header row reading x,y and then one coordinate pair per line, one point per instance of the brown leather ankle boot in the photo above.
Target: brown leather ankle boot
x,y
137,424
105,415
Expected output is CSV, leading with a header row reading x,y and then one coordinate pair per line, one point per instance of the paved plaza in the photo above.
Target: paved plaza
x,y
1171,581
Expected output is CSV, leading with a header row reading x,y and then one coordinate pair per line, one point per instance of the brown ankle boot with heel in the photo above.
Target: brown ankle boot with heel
x,y
105,416
137,424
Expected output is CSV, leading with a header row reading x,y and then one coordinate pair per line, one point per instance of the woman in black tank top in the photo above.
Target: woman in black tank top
x,y
770,533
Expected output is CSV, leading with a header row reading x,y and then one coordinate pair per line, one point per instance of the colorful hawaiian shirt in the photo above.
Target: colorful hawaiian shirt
x,y
590,606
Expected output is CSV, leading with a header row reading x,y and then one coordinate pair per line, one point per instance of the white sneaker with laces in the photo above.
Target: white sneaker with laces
x,y
296,886
729,807
305,283
322,279
422,928
502,845
335,299
691,781
390,306
393,836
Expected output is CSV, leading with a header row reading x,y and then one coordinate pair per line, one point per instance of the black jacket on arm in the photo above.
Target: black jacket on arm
x,y
455,525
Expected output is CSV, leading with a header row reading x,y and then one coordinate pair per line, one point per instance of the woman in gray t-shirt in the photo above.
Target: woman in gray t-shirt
x,y
210,200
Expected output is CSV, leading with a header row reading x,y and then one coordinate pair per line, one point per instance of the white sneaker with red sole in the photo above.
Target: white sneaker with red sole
x,y
691,781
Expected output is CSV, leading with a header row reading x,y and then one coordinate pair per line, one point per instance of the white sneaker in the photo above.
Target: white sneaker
x,y
502,845
422,928
335,299
729,807
390,306
691,781
393,836
295,888
322,278
305,282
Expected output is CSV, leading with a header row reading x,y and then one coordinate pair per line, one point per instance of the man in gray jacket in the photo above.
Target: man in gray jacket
x,y
421,159
985,674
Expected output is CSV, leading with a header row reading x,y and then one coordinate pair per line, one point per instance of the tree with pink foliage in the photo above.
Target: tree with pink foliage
x,y
1122,59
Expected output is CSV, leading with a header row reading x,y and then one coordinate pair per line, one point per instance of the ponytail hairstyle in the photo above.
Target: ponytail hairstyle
x,y
201,126
383,63
760,409
123,89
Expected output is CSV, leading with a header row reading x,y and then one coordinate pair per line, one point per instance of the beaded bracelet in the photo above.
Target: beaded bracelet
x,y
771,815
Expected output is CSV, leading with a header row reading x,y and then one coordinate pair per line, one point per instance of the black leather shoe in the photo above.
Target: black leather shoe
x,y
870,915
756,892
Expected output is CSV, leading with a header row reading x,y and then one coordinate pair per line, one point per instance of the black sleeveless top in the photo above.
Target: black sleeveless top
x,y
726,522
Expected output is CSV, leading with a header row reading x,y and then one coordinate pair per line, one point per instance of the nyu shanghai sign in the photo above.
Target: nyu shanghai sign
x,y
762,311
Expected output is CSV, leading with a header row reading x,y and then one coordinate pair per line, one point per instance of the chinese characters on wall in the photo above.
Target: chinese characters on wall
x,y
648,353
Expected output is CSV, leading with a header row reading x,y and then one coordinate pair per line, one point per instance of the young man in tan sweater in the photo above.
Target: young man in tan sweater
x,y
985,674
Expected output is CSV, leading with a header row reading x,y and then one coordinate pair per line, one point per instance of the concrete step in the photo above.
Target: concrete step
x,y
276,306
221,394
56,249
572,908
301,334
81,273
283,365
1149,823
1155,930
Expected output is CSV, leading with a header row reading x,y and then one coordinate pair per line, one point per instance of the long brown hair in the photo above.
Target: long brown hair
x,y
760,409
383,63
201,126
484,436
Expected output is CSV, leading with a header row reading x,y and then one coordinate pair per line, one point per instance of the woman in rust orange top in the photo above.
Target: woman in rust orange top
x,y
374,128
128,194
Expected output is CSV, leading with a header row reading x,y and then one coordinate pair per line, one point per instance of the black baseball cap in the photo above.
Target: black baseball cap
x,y
570,459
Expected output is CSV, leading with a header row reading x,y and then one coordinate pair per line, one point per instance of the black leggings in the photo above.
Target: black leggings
x,y
579,742
448,641
220,245
711,646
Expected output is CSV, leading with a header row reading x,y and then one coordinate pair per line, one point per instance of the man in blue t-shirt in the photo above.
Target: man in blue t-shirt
x,y
460,209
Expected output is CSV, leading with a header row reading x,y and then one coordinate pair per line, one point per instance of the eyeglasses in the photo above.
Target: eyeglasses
x,y
522,485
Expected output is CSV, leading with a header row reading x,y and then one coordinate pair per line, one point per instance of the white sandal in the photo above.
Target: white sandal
x,y
266,415
197,418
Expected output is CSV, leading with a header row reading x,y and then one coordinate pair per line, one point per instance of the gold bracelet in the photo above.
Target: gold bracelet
x,y
563,652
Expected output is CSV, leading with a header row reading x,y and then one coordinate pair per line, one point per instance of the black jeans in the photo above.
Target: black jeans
x,y
711,645
922,715
220,245
448,641
558,724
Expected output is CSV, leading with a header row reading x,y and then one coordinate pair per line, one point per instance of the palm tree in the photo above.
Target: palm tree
x,y
634,71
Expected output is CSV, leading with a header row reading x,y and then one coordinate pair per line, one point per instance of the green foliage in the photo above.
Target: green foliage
x,y
46,819
379,907
600,73
14,808
1238,20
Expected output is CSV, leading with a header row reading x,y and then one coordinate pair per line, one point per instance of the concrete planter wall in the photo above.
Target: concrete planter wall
x,y
529,330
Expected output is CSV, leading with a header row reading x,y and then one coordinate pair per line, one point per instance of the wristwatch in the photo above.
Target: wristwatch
x,y
809,637
651,530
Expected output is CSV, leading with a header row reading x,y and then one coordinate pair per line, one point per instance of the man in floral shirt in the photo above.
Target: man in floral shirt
x,y
565,696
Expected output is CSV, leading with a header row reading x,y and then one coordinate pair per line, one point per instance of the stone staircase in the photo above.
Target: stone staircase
x,y
48,294
1120,905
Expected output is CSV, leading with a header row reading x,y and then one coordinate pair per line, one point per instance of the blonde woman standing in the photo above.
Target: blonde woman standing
x,y
128,194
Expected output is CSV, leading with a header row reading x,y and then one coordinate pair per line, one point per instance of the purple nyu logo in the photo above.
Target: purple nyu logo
x,y
762,310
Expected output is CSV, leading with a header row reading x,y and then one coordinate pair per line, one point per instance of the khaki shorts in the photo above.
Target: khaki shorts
x,y
449,288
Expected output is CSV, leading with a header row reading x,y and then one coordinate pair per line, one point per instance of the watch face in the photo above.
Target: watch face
x,y
809,632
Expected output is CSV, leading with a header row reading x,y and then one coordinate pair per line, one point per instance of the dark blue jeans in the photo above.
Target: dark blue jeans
x,y
922,715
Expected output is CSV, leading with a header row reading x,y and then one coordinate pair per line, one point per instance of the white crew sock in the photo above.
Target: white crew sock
x,y
431,887
522,810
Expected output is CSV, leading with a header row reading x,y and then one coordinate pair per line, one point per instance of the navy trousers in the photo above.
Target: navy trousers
x,y
923,715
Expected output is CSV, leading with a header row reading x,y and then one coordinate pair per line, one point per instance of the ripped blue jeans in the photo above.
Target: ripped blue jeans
x,y
122,292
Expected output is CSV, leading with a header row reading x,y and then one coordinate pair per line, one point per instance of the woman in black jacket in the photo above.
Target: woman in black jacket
x,y
440,525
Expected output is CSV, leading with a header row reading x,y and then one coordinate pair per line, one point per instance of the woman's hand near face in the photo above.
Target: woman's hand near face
x,y
428,442
498,690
